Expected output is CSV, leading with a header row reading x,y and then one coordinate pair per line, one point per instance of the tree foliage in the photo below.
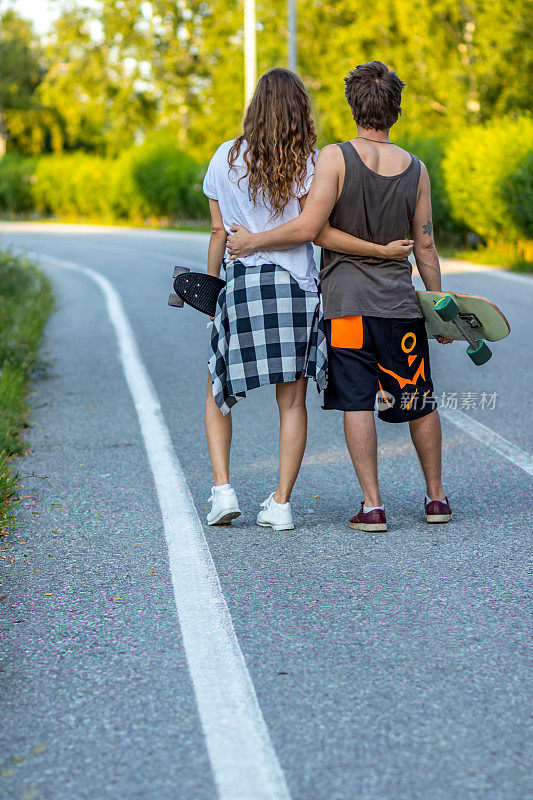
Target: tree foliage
x,y
462,62
21,71
116,70
484,169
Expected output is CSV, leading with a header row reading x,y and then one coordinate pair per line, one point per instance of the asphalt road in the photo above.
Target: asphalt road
x,y
390,667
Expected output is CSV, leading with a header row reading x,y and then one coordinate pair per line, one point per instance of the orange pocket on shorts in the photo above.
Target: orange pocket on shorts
x,y
347,332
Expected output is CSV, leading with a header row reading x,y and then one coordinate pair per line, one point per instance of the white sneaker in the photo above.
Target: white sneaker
x,y
275,516
224,508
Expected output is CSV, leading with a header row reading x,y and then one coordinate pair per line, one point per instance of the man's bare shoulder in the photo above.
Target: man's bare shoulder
x,y
408,154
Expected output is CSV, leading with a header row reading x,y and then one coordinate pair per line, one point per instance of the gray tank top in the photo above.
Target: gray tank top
x,y
379,209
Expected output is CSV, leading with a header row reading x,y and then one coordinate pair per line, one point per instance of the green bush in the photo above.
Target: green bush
x,y
168,180
431,151
481,165
73,185
16,176
153,180
517,193
126,199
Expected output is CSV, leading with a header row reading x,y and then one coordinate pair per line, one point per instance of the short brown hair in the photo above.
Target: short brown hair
x,y
374,93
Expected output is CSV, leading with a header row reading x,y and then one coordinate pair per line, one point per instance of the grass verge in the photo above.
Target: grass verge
x,y
26,301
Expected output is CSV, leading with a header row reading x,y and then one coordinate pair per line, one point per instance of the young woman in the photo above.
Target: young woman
x,y
268,327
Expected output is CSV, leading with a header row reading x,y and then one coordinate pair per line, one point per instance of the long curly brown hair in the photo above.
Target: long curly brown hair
x,y
279,135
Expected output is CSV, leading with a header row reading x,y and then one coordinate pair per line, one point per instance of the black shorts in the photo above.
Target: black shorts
x,y
376,362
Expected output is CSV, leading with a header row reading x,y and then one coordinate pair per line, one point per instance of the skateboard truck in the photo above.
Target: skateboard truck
x,y
174,299
448,311
471,320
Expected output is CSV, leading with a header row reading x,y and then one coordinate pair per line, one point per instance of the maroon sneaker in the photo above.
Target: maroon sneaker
x,y
373,521
437,510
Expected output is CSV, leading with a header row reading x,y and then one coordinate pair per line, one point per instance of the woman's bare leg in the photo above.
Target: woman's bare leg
x,y
218,434
292,435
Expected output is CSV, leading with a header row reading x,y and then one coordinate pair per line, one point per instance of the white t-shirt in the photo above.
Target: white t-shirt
x,y
221,183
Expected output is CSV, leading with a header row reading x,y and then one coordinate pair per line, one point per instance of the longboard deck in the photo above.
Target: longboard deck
x,y
492,327
197,289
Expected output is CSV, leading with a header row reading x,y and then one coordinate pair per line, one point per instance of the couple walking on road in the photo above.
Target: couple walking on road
x,y
361,334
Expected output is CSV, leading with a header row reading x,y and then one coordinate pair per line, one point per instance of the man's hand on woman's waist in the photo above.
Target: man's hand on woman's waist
x,y
240,243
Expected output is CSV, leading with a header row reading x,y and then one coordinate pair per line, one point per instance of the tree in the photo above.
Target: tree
x,y
20,74
122,68
97,92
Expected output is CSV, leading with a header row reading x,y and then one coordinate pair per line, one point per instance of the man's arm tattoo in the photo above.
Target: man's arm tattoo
x,y
428,227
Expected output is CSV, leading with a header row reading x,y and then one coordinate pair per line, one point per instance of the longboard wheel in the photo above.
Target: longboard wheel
x,y
480,354
174,300
179,271
447,308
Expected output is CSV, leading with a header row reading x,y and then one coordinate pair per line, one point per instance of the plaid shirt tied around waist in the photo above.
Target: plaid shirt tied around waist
x,y
266,330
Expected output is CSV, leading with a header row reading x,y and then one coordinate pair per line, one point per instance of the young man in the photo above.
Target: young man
x,y
377,345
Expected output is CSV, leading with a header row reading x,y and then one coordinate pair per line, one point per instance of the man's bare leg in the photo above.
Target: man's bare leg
x,y
360,432
427,438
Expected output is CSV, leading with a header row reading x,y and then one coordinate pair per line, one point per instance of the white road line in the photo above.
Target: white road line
x,y
521,458
242,757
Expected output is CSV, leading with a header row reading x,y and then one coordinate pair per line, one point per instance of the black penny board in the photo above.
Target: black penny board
x,y
196,289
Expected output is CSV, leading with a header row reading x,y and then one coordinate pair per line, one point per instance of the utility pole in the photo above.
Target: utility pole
x,y
291,24
250,50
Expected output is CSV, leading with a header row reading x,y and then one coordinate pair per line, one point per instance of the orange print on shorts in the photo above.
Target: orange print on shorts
x,y
347,332
408,344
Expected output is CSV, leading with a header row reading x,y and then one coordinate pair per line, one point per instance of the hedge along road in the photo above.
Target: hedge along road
x,y
146,661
